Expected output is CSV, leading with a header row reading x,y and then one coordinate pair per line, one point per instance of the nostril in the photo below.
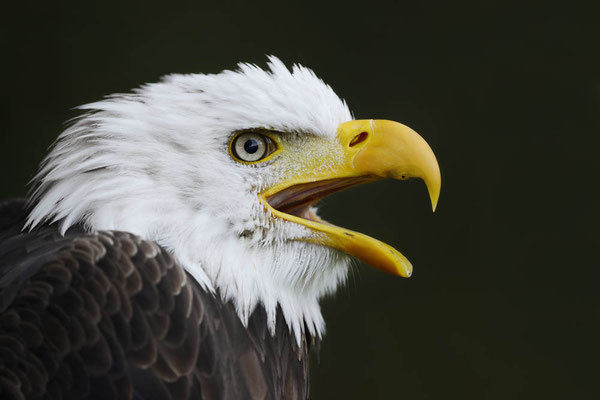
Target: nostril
x,y
361,137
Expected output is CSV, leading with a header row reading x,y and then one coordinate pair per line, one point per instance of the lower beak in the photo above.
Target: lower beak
x,y
372,149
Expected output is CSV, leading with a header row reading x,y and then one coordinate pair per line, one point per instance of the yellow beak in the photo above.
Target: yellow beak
x,y
372,149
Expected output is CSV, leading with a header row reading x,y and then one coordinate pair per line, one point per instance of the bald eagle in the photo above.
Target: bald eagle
x,y
171,247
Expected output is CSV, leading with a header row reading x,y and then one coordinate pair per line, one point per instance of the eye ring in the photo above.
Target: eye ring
x,y
251,147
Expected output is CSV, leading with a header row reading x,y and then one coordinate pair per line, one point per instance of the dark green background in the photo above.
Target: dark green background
x,y
504,301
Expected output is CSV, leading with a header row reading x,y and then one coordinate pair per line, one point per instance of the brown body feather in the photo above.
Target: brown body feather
x,y
107,315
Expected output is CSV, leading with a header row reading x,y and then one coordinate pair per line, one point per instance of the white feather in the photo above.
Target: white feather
x,y
155,163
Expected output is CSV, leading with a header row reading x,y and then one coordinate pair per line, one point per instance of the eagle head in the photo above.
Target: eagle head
x,y
225,172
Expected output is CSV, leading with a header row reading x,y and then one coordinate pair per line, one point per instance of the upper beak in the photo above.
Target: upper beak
x,y
388,149
371,149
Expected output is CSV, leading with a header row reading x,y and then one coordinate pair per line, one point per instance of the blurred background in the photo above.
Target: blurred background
x,y
504,301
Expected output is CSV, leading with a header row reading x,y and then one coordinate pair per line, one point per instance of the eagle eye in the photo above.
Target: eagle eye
x,y
251,147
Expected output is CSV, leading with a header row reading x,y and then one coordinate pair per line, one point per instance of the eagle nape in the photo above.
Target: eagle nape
x,y
171,246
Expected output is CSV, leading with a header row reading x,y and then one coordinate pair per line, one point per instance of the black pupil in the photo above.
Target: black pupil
x,y
251,146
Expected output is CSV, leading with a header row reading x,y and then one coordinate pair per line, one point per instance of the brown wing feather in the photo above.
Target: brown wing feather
x,y
107,315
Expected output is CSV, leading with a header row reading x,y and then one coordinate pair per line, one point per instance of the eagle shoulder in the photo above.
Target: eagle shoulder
x,y
109,315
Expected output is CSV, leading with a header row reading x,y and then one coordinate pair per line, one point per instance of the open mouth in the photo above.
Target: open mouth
x,y
368,150
294,204
297,200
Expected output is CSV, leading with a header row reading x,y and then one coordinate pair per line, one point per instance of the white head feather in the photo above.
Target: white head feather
x,y
155,163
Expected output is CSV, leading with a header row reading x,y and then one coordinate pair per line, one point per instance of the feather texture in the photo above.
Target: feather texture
x,y
154,163
108,315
